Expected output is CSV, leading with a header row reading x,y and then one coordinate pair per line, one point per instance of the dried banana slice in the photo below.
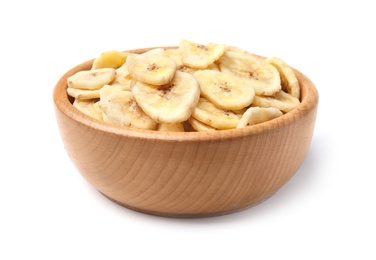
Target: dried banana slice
x,y
110,59
120,108
91,79
152,52
83,94
256,115
236,49
122,79
213,66
184,68
175,55
155,68
282,100
171,103
199,126
193,87
264,77
89,107
177,127
207,113
289,81
225,91
198,56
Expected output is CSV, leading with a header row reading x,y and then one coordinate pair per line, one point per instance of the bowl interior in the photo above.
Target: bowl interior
x,y
309,100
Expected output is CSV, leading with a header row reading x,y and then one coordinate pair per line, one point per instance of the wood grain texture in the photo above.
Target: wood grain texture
x,y
187,174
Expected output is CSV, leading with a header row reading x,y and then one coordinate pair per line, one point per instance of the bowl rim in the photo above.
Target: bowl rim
x,y
309,101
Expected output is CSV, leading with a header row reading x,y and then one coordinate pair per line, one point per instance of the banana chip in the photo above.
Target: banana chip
x,y
83,94
91,79
199,126
225,91
198,56
120,108
289,81
282,100
171,103
175,55
122,78
110,59
89,107
177,127
191,88
263,76
151,69
207,113
256,115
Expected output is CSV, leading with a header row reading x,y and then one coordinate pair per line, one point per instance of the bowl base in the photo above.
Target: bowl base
x,y
183,215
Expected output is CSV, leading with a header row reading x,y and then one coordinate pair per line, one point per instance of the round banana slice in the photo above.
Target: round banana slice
x,y
152,52
175,55
177,127
199,126
263,76
83,94
256,115
122,79
289,81
207,113
154,69
198,56
184,68
225,91
89,107
91,79
120,108
282,100
110,59
171,103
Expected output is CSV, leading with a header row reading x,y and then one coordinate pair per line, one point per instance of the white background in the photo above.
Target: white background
x,y
326,211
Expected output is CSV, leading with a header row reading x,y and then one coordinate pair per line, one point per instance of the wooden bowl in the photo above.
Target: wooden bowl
x,y
193,174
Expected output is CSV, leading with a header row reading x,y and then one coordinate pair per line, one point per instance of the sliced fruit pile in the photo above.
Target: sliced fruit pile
x,y
193,87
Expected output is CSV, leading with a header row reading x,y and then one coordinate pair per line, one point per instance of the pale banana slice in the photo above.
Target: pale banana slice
x,y
122,79
175,55
225,91
184,68
198,56
110,59
207,113
213,66
289,81
263,76
154,69
256,115
89,107
199,126
282,100
152,52
91,79
237,49
83,94
171,103
120,108
177,127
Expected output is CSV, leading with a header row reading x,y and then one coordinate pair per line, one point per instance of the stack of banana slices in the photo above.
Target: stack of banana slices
x,y
193,87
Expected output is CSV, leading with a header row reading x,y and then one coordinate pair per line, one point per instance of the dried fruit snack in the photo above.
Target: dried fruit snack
x,y
194,87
